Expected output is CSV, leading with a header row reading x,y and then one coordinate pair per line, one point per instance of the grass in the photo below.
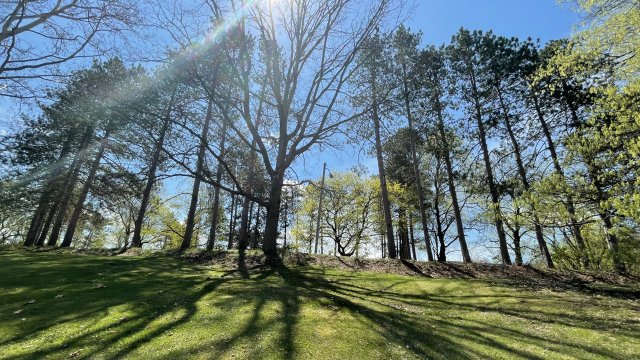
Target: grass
x,y
164,308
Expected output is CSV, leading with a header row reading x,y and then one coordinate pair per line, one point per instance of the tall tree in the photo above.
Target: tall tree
x,y
406,54
435,73
467,63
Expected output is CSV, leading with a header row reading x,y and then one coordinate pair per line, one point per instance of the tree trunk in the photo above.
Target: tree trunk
x,y
256,231
232,221
36,221
151,179
573,111
193,206
77,211
416,170
69,185
269,243
46,202
442,253
216,191
412,238
542,244
47,224
612,244
517,248
403,234
466,257
575,228
493,189
386,207
243,236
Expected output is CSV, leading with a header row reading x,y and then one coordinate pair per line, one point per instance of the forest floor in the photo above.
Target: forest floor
x,y
57,304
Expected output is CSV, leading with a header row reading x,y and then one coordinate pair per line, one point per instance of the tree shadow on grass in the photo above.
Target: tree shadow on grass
x,y
425,325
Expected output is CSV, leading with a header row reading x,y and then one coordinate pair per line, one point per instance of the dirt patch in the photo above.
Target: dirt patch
x,y
517,276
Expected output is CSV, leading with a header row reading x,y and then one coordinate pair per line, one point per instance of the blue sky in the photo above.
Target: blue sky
x,y
543,19
438,20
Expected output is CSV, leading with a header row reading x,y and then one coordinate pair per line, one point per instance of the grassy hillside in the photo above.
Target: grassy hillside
x,y
60,306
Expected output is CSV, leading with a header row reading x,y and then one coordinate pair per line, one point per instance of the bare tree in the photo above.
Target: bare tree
x,y
37,37
304,58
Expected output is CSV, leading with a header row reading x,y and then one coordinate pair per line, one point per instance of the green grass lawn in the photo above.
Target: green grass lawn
x,y
160,307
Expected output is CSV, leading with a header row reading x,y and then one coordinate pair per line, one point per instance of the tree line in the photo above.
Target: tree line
x,y
535,146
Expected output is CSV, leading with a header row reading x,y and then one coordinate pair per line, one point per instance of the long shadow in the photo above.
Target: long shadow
x,y
397,318
342,296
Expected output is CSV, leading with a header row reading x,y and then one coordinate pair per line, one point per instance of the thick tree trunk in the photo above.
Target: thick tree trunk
x,y
47,224
403,231
151,180
466,257
77,210
573,219
542,244
269,243
243,236
36,221
517,247
386,207
69,185
46,203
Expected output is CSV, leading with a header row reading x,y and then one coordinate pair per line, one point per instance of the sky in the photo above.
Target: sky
x,y
438,20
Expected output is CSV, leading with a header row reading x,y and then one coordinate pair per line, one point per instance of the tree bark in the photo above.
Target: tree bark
x,y
493,189
403,232
77,211
47,224
386,208
243,236
232,221
416,170
464,249
216,192
542,244
151,179
70,183
412,238
36,221
573,219
269,244
193,206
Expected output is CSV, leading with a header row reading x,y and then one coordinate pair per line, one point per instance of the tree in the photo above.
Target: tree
x,y
469,66
376,87
407,55
63,30
433,89
349,204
